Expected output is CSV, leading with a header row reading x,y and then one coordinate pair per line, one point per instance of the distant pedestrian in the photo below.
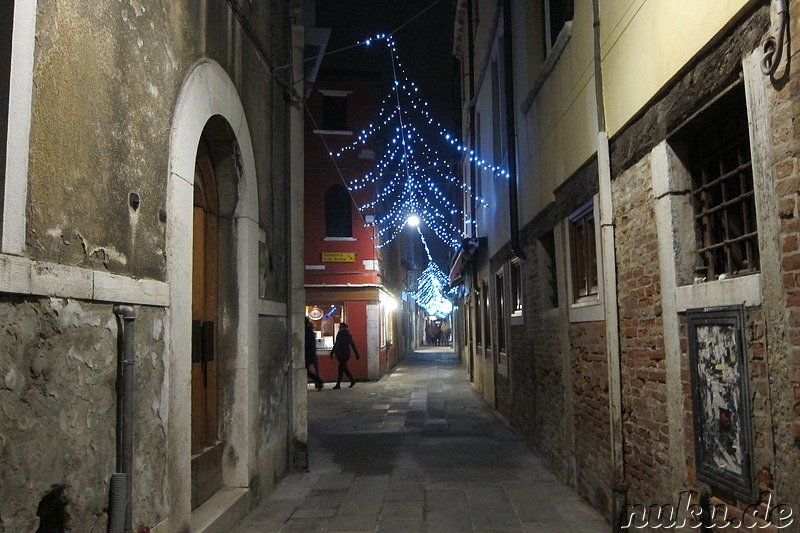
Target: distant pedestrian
x,y
428,333
437,333
341,349
311,356
445,333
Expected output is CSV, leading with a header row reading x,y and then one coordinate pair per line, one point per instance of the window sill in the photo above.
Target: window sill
x,y
333,132
587,310
733,291
547,67
339,239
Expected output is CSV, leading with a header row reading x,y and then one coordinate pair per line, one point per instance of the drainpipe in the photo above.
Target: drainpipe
x,y
121,486
511,130
473,167
618,485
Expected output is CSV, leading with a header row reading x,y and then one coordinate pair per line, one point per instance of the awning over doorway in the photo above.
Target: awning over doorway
x,y
465,253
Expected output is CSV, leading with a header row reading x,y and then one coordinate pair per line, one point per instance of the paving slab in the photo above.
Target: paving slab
x,y
418,451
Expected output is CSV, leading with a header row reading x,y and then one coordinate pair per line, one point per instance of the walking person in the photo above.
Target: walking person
x,y
341,349
311,356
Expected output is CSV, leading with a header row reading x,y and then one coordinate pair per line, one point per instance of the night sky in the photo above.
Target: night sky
x,y
424,43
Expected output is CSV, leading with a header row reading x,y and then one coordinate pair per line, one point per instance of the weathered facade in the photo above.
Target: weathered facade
x,y
634,318
148,189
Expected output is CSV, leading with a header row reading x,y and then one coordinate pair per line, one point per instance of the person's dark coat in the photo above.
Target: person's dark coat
x,y
311,346
341,348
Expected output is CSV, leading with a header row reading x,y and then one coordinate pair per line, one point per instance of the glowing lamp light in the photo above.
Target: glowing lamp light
x,y
389,305
413,221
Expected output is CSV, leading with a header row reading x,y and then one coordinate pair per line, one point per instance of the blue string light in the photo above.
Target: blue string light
x,y
406,175
431,292
409,169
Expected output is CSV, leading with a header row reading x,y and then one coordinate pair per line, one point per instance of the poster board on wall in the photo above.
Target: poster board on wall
x,y
720,399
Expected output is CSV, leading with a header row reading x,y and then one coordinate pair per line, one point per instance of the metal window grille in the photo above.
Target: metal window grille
x,y
516,288
500,290
722,191
584,254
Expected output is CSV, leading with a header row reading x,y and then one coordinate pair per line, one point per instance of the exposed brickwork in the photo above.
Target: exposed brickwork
x,y
590,397
644,392
786,171
535,398
548,382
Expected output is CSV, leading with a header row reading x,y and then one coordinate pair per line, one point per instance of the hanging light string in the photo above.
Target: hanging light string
x,y
407,174
431,284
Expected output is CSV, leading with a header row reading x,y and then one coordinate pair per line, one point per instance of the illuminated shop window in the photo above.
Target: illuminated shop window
x,y
325,318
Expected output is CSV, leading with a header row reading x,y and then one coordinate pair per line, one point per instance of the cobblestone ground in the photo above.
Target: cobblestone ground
x,y
418,451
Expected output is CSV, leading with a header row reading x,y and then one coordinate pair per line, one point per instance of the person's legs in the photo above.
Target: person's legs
x,y
349,375
342,368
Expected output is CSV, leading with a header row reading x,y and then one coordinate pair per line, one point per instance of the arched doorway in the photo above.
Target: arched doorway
x,y
209,109
206,445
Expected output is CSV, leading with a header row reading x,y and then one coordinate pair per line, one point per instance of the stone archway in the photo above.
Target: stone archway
x,y
209,106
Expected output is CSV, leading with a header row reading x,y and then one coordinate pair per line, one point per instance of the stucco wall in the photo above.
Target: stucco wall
x,y
112,73
107,78
58,361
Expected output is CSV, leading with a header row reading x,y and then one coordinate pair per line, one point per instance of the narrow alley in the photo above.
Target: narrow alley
x,y
420,451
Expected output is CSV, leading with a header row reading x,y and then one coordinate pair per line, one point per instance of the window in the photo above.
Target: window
x,y
549,271
583,253
487,323
556,14
499,146
325,319
516,288
6,31
478,154
334,112
717,147
478,316
500,307
338,214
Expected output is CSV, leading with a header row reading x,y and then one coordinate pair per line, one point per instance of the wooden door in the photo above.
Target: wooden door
x,y
206,447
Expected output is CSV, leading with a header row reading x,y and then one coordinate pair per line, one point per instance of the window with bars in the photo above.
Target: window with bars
x,y
583,254
719,162
478,319
516,288
6,27
500,307
487,322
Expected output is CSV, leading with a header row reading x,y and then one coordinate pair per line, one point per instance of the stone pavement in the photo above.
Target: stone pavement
x,y
418,451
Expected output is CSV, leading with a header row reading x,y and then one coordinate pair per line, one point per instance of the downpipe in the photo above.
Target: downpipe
x,y
511,131
120,508
619,486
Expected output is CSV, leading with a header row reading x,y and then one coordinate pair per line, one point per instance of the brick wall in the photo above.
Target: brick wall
x,y
786,172
591,418
644,392
539,393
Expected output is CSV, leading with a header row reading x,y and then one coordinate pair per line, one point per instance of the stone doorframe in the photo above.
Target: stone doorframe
x,y
209,92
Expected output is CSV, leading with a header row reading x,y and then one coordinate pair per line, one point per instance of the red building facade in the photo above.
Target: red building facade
x,y
342,263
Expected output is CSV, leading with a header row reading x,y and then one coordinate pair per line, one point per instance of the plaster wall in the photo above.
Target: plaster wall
x,y
98,209
108,138
633,38
58,362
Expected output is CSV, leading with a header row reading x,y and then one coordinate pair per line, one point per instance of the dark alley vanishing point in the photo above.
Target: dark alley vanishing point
x,y
418,450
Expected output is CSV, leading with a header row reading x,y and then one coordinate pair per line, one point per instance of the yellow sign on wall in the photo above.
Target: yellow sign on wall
x,y
338,257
